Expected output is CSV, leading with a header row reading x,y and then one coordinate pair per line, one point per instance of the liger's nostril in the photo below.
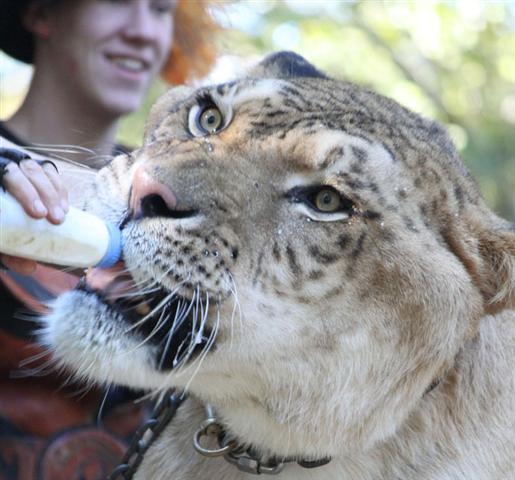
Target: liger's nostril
x,y
151,198
148,195
154,206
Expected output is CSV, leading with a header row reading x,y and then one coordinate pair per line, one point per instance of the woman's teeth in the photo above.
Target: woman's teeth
x,y
130,64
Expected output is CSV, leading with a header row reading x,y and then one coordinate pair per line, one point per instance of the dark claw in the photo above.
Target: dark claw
x,y
49,162
8,155
12,155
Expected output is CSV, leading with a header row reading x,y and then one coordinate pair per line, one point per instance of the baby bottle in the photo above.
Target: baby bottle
x,y
82,240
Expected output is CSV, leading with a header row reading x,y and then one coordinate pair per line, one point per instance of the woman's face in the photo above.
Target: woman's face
x,y
108,51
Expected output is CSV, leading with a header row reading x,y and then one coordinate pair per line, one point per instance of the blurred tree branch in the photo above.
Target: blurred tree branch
x,y
410,73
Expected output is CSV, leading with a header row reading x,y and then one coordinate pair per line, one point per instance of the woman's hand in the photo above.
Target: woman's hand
x,y
41,193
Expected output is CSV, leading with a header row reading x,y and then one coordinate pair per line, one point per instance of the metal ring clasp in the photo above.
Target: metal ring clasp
x,y
210,427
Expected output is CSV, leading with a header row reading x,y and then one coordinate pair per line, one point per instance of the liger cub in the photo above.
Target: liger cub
x,y
313,264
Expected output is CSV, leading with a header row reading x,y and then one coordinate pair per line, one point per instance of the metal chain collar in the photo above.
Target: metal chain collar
x,y
243,457
146,434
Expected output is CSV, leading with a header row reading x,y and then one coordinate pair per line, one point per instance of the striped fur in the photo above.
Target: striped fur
x,y
330,327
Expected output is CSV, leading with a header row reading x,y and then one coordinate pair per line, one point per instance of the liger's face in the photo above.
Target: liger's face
x,y
110,50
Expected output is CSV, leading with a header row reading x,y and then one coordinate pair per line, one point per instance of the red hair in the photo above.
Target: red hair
x,y
193,50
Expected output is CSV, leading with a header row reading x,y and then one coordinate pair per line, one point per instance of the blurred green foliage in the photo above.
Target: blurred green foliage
x,y
451,61
131,128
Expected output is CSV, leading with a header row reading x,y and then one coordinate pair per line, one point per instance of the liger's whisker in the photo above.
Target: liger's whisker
x,y
183,369
156,328
63,147
181,314
236,306
178,319
34,358
102,405
160,305
139,293
205,350
39,371
180,355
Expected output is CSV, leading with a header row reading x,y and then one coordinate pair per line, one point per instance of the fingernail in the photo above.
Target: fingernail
x,y
65,206
39,207
58,214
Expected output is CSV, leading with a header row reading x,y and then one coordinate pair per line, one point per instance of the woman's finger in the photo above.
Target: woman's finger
x,y
45,188
20,187
58,184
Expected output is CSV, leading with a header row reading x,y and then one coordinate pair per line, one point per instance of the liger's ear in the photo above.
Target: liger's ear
x,y
486,246
285,65
497,250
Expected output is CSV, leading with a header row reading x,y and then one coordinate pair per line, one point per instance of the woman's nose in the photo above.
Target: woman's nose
x,y
140,24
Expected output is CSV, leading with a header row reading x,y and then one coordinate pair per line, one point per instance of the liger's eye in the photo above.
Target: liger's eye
x,y
205,117
321,203
209,120
327,200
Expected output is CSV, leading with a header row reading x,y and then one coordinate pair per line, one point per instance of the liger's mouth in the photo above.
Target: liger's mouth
x,y
176,325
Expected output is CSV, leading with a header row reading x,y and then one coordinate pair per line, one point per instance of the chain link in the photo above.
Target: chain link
x,y
242,457
146,434
247,462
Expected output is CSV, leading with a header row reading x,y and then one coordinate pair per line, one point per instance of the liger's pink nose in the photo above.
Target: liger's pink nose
x,y
149,197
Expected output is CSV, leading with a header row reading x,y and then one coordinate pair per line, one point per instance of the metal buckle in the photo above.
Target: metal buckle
x,y
209,428
228,448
